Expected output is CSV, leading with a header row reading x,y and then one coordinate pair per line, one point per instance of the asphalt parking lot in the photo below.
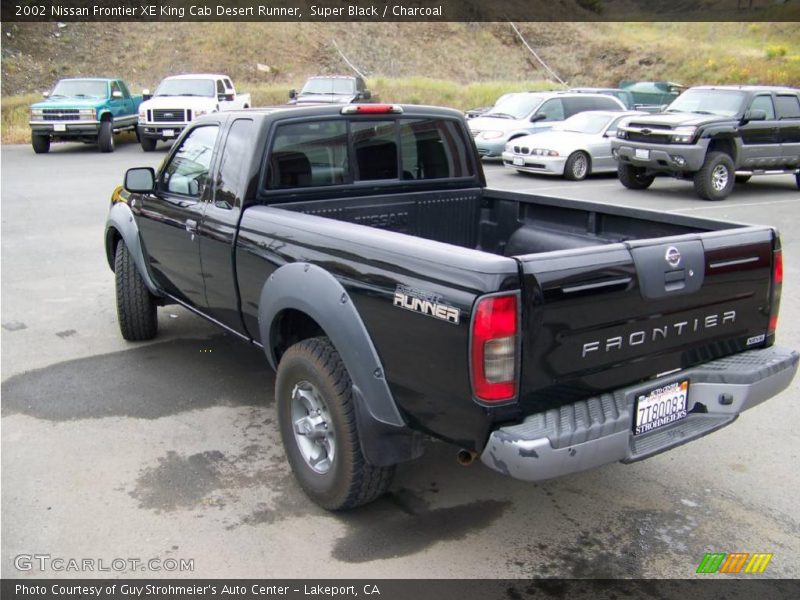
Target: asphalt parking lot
x,y
170,449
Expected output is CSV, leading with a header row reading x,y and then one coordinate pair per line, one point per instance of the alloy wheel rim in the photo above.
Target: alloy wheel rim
x,y
719,177
580,166
313,430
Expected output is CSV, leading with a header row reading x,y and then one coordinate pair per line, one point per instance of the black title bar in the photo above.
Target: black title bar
x,y
400,10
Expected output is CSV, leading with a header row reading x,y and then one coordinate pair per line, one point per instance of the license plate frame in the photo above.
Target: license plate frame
x,y
659,407
519,161
641,154
168,133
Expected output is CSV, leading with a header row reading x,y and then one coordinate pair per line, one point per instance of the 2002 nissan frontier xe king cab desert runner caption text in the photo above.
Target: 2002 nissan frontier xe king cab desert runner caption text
x,y
398,297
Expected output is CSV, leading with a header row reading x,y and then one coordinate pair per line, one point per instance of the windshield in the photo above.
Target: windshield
x,y
186,87
584,123
725,103
329,86
80,88
517,106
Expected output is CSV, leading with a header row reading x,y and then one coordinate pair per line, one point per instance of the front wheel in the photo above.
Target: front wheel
x,y
148,144
40,143
714,180
316,415
634,178
136,306
105,138
577,166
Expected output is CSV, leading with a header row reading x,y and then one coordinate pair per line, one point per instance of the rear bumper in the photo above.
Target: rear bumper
x,y
598,430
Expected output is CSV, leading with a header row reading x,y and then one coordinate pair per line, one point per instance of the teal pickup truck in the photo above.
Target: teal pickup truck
x,y
85,110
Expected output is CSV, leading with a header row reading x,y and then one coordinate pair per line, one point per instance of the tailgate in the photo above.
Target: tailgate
x,y
599,318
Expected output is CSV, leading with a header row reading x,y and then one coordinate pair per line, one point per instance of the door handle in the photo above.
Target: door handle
x,y
191,226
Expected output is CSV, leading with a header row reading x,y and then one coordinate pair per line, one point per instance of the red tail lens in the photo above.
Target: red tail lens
x,y
777,283
495,326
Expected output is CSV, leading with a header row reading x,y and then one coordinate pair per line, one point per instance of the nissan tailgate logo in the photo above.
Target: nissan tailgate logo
x,y
673,257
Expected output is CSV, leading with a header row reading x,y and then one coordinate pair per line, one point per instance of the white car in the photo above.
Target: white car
x,y
179,100
574,148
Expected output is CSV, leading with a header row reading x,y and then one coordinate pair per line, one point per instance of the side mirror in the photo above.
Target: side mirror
x,y
538,117
292,94
45,94
366,95
611,133
141,180
146,95
756,114
116,95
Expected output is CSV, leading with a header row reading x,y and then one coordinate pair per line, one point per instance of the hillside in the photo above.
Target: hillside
x,y
35,55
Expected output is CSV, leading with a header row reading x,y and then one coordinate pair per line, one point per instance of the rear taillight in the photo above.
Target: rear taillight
x,y
495,328
777,283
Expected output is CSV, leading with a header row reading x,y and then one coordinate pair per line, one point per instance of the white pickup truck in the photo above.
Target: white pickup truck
x,y
179,100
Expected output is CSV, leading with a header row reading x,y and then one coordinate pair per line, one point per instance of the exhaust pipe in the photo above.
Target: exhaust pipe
x,y
466,457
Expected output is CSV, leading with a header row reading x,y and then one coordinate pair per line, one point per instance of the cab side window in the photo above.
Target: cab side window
x,y
115,88
220,87
764,103
187,172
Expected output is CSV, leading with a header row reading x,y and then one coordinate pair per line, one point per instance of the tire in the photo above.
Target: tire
x,y
105,138
714,181
634,178
136,306
578,166
329,465
797,179
743,178
148,144
40,143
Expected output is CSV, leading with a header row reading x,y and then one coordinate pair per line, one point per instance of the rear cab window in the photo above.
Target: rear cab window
x,y
787,106
337,152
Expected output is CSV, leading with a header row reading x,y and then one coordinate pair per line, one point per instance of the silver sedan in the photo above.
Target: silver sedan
x,y
575,148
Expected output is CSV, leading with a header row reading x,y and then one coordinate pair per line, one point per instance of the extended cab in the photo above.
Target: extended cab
x,y
84,110
179,100
714,136
399,297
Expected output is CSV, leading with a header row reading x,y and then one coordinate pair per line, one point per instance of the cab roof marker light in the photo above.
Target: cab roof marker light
x,y
372,109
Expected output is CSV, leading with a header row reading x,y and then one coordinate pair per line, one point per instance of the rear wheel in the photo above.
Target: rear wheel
x,y
316,415
105,138
797,179
634,178
148,144
714,180
577,166
40,143
136,306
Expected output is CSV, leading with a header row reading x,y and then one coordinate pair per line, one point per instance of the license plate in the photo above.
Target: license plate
x,y
519,161
168,133
660,407
59,127
642,154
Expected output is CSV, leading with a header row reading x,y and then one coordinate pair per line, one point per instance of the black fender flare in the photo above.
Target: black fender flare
x,y
310,289
121,224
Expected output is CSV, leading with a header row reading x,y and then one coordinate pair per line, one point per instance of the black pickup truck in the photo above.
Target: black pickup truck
x,y
714,135
397,297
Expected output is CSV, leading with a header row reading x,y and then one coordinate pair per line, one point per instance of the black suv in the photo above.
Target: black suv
x,y
714,135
